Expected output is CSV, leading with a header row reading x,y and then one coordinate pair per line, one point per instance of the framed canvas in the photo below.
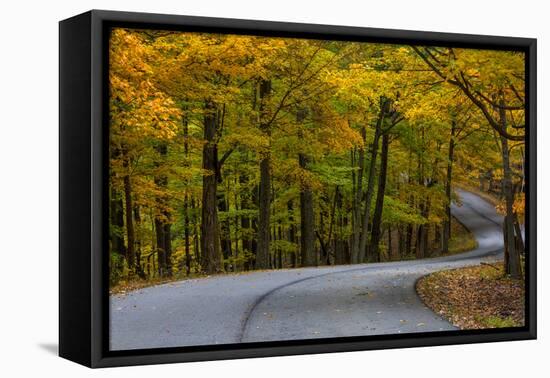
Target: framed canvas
x,y
235,188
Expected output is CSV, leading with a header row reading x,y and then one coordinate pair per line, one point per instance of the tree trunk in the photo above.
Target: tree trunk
x,y
117,221
137,221
161,257
370,183
513,264
246,224
339,243
514,267
357,198
162,219
519,238
168,246
196,232
448,190
130,236
307,241
408,239
186,220
225,234
210,236
292,232
379,206
187,234
390,250
262,255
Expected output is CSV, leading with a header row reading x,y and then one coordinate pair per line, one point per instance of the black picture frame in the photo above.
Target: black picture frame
x,y
83,137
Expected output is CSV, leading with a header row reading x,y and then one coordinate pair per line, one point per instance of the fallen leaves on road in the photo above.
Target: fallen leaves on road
x,y
475,297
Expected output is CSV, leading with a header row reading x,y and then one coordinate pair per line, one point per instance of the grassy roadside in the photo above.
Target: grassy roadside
x,y
462,239
475,297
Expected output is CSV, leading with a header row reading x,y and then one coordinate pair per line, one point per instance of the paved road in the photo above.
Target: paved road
x,y
351,300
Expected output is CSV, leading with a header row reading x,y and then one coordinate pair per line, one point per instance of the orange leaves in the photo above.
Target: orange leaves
x,y
518,207
136,103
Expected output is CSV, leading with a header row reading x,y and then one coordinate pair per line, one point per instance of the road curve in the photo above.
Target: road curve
x,y
294,304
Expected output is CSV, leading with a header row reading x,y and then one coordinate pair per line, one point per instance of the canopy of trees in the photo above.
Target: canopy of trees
x,y
232,153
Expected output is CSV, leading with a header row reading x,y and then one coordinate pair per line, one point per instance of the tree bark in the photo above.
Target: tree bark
x,y
117,221
292,232
162,219
513,264
246,224
137,222
210,236
307,219
186,218
130,236
448,190
339,243
514,267
225,234
262,255
357,198
379,206
370,183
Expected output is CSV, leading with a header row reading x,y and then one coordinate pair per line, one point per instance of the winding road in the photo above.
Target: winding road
x,y
293,304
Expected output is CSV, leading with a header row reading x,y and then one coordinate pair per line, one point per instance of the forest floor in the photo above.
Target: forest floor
x,y
475,297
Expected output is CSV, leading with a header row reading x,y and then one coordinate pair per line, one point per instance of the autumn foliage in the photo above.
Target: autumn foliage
x,y
234,153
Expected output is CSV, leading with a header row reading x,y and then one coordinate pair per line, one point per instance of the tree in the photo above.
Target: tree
x,y
232,152
497,90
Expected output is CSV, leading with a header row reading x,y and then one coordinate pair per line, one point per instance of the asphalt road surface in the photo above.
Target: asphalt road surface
x,y
294,304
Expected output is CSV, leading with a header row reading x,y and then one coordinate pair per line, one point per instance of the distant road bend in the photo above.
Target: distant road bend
x,y
293,304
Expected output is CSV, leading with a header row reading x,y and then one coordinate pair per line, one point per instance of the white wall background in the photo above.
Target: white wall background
x,y
29,185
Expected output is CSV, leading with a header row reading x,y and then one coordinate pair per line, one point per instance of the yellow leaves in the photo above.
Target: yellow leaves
x,y
137,105
518,207
338,136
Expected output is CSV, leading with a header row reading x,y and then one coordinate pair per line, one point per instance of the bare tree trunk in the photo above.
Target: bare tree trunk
x,y
187,234
339,242
390,250
210,235
307,241
374,250
448,190
117,220
519,237
262,255
292,232
246,224
514,267
225,234
186,220
513,264
357,198
130,236
137,221
162,219
370,183
408,239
